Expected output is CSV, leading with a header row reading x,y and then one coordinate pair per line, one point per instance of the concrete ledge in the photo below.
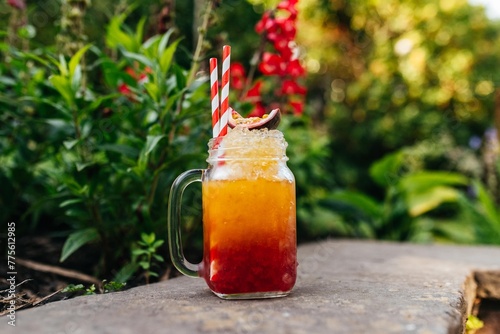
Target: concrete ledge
x,y
343,287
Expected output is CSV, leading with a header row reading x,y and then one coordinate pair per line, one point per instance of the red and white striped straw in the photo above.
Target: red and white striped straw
x,y
214,94
224,115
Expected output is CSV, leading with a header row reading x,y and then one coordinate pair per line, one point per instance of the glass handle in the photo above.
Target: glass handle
x,y
174,221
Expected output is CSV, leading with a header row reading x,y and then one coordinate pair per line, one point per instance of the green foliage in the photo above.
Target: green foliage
x,y
94,158
308,153
413,207
77,239
145,254
79,289
398,73
71,288
113,286
483,211
107,287
421,205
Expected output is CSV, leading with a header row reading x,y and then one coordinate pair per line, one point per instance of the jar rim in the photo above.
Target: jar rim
x,y
267,135
214,156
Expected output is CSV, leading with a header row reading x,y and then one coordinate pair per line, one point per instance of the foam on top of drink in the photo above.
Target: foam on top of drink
x,y
242,143
247,153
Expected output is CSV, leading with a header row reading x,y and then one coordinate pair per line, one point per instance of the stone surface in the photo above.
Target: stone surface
x,y
343,287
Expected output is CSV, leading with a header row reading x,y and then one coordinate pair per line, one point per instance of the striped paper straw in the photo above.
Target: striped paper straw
x,y
214,93
224,116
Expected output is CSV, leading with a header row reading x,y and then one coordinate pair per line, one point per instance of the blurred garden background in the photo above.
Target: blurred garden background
x,y
391,111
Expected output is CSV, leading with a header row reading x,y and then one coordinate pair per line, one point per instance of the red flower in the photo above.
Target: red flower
x,y
130,71
283,28
258,110
18,4
295,69
289,5
290,87
264,23
254,93
278,28
287,27
141,77
298,107
238,77
282,46
272,64
125,90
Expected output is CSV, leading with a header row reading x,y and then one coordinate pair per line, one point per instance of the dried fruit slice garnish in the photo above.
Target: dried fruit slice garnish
x,y
269,121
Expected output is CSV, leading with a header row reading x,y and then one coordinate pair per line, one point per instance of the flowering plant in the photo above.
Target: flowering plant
x,y
278,63
17,4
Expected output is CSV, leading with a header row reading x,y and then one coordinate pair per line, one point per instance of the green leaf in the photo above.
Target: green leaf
x,y
487,204
33,56
139,57
163,42
73,288
101,99
70,202
155,130
159,258
76,79
423,202
455,230
158,243
386,170
63,86
180,77
63,66
139,251
73,185
126,272
76,240
148,238
170,105
69,144
422,181
486,231
115,36
82,165
90,290
150,44
325,222
153,91
75,70
145,265
360,201
167,56
151,143
113,286
139,31
75,60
